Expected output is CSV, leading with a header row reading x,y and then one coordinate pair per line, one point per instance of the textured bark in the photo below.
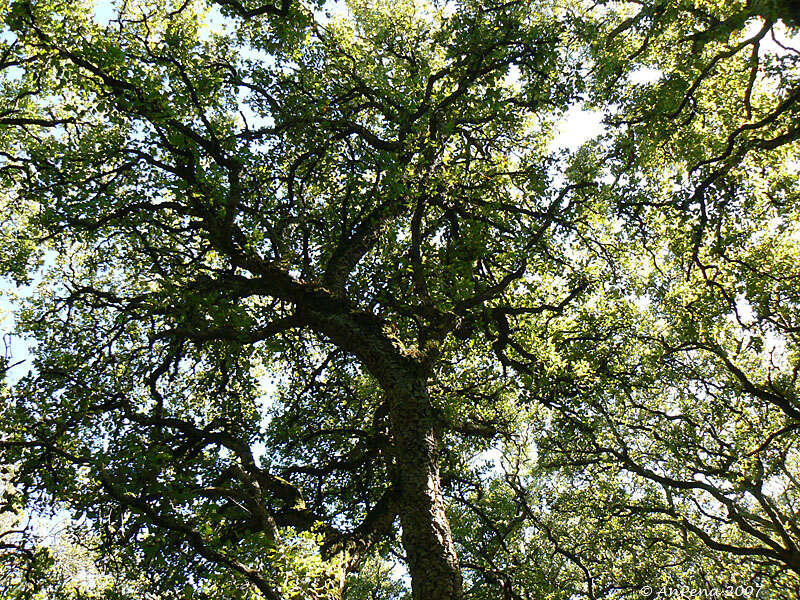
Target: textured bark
x,y
432,560
427,540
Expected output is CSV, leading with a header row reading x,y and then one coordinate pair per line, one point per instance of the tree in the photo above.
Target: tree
x,y
303,273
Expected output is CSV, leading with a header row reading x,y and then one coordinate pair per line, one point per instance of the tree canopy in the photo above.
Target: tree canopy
x,y
321,307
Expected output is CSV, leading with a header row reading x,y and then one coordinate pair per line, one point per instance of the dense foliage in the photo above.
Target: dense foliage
x,y
322,307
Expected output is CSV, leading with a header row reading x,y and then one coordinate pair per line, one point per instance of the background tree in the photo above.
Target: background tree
x,y
313,281
677,408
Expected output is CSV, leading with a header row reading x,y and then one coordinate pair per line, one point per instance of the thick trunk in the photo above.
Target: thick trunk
x,y
432,560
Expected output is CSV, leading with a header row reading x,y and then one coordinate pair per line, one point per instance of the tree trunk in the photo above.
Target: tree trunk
x,y
432,560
